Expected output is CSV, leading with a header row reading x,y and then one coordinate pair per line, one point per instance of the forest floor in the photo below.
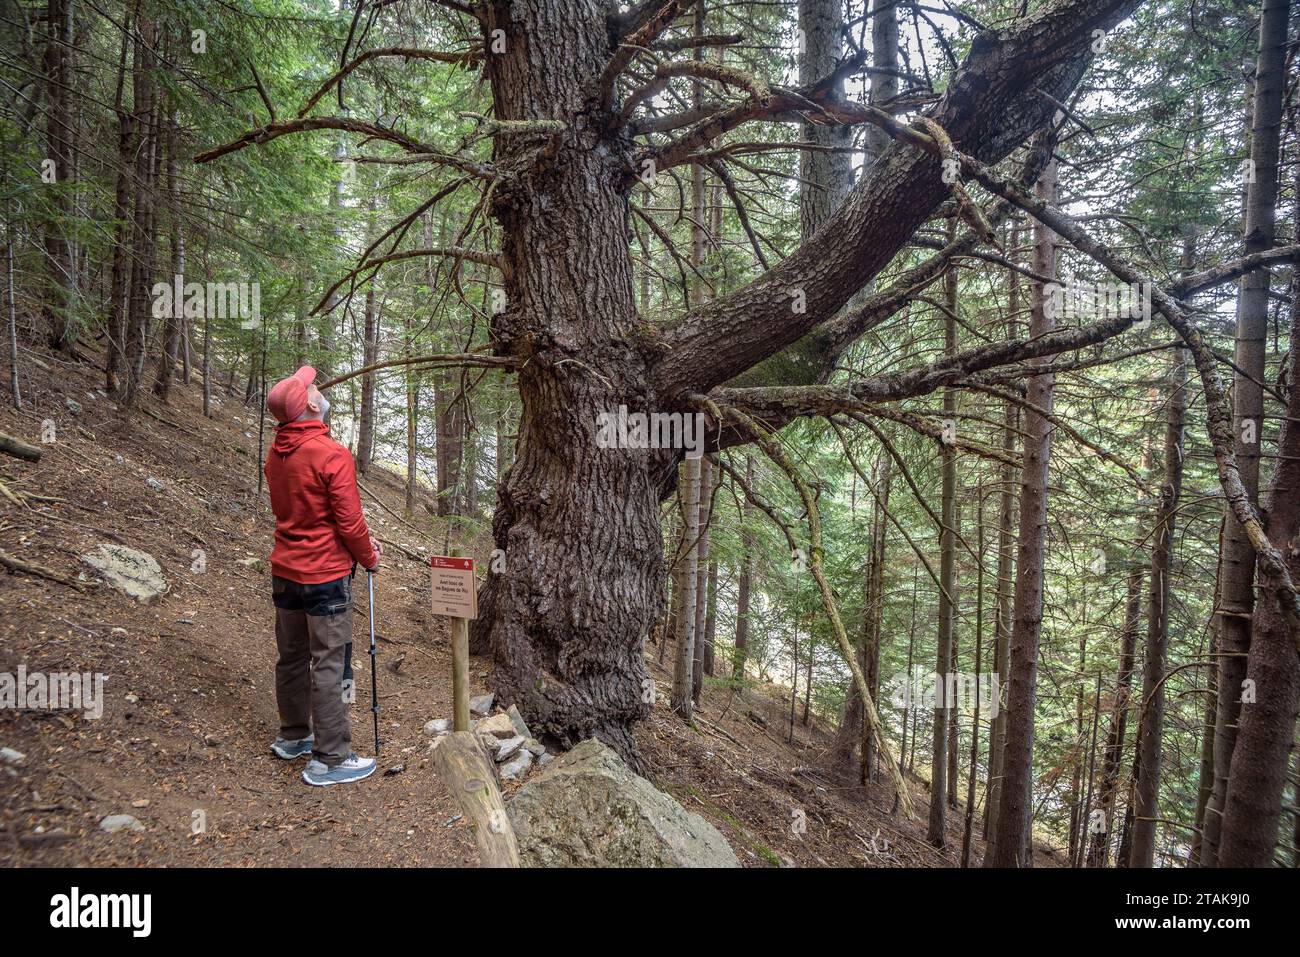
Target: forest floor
x,y
188,705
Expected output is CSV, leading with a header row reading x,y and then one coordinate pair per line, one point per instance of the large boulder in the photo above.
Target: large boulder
x,y
588,809
135,574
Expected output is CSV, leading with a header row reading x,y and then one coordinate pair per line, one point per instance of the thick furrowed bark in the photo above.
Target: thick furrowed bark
x,y
579,524
581,588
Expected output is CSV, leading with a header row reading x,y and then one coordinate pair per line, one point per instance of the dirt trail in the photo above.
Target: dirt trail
x,y
189,709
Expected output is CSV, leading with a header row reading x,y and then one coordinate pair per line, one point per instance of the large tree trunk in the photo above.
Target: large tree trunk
x,y
1268,717
1009,840
1237,557
579,524
1152,709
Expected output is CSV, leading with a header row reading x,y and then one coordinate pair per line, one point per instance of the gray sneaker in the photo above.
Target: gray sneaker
x,y
352,768
292,749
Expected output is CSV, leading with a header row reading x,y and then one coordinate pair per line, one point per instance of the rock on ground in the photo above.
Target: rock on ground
x,y
120,822
588,809
135,574
497,726
516,767
517,719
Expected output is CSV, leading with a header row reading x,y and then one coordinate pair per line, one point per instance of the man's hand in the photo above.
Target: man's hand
x,y
379,553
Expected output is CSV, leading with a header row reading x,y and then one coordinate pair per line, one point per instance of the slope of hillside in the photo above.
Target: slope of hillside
x,y
188,705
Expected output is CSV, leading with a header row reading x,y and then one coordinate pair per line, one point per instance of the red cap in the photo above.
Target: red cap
x,y
288,397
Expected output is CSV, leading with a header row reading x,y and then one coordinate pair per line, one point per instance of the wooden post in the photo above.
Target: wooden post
x,y
460,668
470,777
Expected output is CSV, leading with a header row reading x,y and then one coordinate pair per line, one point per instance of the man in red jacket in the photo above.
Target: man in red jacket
x,y
319,533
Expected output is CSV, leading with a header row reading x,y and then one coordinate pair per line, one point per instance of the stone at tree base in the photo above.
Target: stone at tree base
x,y
482,704
588,809
438,726
499,725
517,767
506,748
135,574
517,719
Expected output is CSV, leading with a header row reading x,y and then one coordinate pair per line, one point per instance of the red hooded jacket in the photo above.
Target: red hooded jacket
x,y
319,528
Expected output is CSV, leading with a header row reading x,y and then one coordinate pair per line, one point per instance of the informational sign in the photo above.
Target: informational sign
x,y
454,592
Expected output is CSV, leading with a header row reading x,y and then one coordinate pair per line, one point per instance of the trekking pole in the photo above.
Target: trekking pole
x,y
374,687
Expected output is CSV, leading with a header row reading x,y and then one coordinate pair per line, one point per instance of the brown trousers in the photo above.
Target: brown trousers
x,y
313,626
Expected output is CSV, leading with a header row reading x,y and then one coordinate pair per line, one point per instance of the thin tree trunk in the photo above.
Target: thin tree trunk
x,y
873,613
57,305
1006,550
808,683
953,670
743,598
1009,839
939,763
979,651
369,356
908,711
1152,711
711,620
15,388
123,202
142,232
172,324
1092,770
685,585
1205,777
1114,759
701,608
